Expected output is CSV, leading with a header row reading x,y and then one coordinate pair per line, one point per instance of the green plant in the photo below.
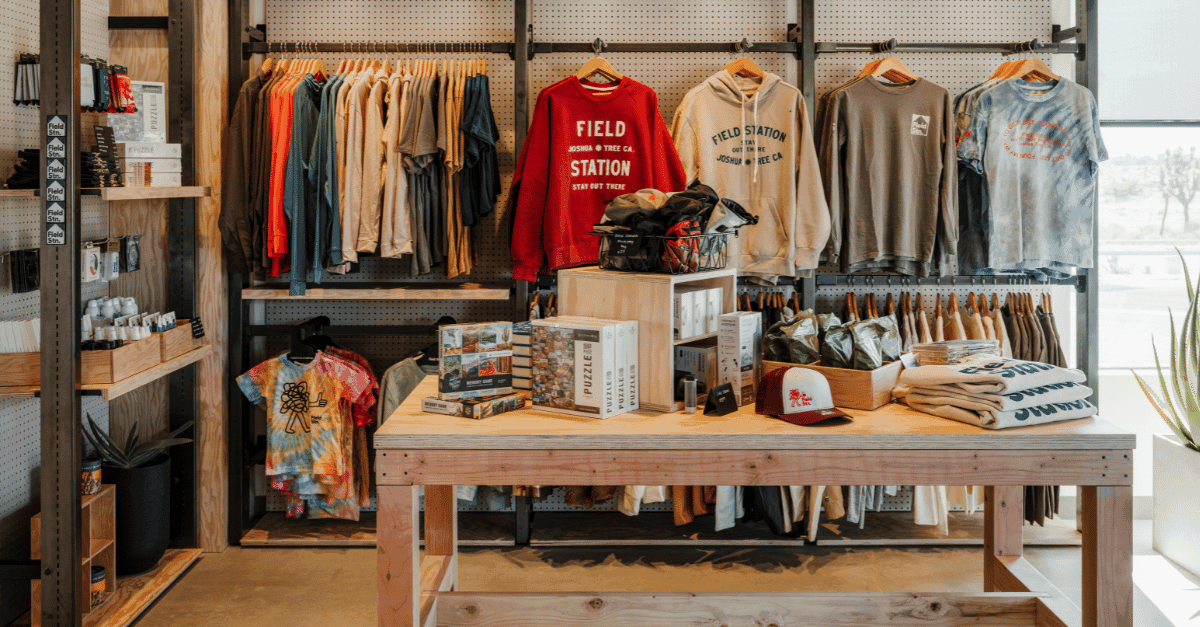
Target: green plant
x,y
134,454
1179,404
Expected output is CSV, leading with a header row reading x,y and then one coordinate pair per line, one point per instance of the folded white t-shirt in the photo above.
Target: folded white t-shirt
x,y
954,395
991,419
991,375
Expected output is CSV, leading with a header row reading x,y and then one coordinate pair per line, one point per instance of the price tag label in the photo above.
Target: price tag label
x,y
721,401
626,244
56,126
56,213
55,235
106,141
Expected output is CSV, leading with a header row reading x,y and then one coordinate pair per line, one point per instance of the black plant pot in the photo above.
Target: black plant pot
x,y
143,514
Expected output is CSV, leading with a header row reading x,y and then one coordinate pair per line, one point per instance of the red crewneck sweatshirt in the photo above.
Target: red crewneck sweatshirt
x,y
583,149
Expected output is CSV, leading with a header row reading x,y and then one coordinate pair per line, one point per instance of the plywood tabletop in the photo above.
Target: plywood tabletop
x,y
594,272
890,427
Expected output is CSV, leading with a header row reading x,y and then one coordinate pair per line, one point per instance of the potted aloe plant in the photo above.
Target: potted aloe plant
x,y
1177,455
142,473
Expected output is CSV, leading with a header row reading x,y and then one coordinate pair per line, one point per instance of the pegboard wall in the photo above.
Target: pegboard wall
x,y
671,75
20,227
918,21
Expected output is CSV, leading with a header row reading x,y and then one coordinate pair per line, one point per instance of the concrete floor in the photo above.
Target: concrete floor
x,y
263,586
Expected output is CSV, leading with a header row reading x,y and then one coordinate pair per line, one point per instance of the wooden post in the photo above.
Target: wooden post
x,y
441,523
398,556
1107,556
1003,515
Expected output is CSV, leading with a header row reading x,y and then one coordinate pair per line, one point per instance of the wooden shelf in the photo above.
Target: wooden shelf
x,y
276,530
121,193
109,391
148,193
435,291
135,594
697,338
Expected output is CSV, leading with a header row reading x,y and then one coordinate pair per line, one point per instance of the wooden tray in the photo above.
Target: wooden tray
x,y
177,341
121,363
20,369
854,389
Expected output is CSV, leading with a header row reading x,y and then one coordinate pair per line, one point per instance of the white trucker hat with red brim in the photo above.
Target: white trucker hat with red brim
x,y
798,395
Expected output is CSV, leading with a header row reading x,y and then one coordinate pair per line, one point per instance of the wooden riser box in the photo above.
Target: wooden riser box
x,y
853,389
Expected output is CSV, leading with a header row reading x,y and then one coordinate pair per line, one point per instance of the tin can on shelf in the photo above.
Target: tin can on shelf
x,y
90,480
98,585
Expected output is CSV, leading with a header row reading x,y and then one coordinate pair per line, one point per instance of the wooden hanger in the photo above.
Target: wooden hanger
x,y
1047,303
267,65
983,306
971,303
891,305
745,67
953,303
851,307
920,303
890,68
995,301
938,308
599,65
795,302
1034,69
1003,70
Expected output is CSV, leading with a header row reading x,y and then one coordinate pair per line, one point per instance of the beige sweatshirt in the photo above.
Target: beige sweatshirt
x,y
356,122
751,141
373,164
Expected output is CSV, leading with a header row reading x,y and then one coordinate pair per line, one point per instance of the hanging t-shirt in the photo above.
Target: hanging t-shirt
x,y
584,148
1039,146
307,413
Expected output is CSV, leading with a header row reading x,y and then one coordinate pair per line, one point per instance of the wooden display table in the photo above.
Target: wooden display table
x,y
889,446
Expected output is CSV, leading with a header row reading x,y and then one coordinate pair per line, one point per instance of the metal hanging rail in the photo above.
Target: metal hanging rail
x,y
376,47
891,45
599,46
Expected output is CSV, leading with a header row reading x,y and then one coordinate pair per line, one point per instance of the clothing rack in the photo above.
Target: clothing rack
x,y
800,42
377,47
891,45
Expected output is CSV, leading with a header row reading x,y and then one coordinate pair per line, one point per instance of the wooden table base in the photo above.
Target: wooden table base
x,y
416,591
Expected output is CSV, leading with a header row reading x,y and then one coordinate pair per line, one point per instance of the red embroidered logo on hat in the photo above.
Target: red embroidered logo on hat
x,y
798,399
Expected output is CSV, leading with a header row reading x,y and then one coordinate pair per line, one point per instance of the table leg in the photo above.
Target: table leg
x,y
1107,556
441,525
1003,516
398,557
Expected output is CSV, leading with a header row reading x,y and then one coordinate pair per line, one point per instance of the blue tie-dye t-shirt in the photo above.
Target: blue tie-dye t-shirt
x,y
1039,147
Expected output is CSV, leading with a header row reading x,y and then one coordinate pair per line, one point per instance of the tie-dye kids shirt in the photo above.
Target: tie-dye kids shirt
x,y
309,424
1039,146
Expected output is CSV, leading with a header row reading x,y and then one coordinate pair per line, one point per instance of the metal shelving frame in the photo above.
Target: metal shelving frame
x,y
61,438
245,40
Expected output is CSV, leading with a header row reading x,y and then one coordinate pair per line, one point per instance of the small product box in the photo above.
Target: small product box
x,y
476,360
575,364
147,178
521,366
699,361
148,150
477,408
740,353
716,296
685,300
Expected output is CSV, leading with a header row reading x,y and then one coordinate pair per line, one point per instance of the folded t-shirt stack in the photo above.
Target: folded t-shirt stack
x,y
997,393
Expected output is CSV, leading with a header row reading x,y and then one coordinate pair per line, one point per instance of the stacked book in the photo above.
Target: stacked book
x,y
953,351
150,164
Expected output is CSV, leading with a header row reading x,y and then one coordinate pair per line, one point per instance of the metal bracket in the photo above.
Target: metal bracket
x,y
128,22
1062,34
793,36
743,46
530,54
597,46
257,34
884,46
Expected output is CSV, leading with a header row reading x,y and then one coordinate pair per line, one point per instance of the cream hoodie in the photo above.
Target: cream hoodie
x,y
727,117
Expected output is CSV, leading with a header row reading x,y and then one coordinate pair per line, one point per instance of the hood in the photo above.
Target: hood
x,y
729,87
733,89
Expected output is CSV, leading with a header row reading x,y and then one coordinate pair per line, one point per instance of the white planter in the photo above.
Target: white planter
x,y
1177,502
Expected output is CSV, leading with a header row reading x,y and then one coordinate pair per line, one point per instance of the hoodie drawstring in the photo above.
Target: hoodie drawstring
x,y
755,179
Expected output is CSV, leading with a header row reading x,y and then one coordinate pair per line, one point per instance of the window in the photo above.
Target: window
x,y
1150,186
